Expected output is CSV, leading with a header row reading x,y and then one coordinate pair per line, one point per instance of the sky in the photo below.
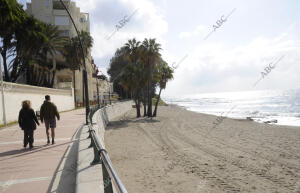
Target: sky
x,y
216,46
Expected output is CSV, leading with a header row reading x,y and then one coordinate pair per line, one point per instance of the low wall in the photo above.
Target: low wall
x,y
103,116
89,178
14,94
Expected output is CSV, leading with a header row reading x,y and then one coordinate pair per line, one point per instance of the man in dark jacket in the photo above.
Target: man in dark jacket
x,y
48,113
27,121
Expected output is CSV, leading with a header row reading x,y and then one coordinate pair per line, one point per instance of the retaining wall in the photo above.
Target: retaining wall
x,y
89,178
103,116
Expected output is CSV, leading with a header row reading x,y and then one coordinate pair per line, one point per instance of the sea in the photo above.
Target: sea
x,y
280,107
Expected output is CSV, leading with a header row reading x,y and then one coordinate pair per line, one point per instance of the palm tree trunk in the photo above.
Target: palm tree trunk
x,y
29,73
28,76
3,53
36,73
44,79
74,86
53,77
138,102
83,92
41,77
15,73
48,79
144,102
53,70
149,99
138,110
156,104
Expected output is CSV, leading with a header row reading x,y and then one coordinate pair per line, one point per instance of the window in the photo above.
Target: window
x,y
82,20
58,5
64,79
47,3
48,19
65,33
61,20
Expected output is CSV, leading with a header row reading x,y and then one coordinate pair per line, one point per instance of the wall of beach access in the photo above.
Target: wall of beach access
x,y
104,115
89,177
14,94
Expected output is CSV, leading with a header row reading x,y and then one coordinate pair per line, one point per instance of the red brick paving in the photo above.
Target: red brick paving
x,y
31,171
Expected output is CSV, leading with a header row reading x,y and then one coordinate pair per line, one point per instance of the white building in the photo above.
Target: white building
x,y
52,11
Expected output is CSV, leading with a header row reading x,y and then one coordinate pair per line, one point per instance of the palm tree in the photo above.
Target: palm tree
x,y
71,50
129,79
132,50
139,68
117,63
165,73
11,15
54,43
132,53
73,55
87,43
72,59
29,41
35,43
150,56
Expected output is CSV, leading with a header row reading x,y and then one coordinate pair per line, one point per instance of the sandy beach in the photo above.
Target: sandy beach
x,y
185,152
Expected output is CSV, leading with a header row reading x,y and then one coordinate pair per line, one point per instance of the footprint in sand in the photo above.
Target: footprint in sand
x,y
201,186
297,187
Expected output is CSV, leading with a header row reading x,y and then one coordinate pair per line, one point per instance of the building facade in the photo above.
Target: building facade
x,y
52,11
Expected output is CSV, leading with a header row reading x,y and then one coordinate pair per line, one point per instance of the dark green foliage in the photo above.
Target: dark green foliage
x,y
32,47
136,69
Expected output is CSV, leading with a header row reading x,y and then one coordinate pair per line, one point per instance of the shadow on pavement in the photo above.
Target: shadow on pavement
x,y
23,152
64,177
17,151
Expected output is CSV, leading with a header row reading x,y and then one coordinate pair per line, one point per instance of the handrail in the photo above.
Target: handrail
x,y
107,167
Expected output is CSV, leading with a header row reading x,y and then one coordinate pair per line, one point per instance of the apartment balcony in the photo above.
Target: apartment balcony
x,y
58,6
65,85
60,12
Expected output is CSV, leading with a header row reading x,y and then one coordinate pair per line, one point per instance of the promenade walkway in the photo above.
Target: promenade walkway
x,y
45,168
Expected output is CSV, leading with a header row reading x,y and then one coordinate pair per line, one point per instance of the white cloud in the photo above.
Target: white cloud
x,y
86,5
147,22
213,67
230,60
199,30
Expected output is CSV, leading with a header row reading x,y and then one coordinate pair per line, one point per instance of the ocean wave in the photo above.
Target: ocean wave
x,y
262,105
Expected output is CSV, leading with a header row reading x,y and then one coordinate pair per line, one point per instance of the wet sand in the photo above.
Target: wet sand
x,y
185,152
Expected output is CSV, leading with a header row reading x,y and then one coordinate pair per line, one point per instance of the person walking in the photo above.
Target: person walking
x,y
27,121
48,113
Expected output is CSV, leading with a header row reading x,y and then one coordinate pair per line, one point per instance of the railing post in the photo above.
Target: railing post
x,y
97,158
101,157
89,135
106,180
91,115
90,131
92,144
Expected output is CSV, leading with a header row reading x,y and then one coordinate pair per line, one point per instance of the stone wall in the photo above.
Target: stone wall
x,y
89,177
103,116
14,94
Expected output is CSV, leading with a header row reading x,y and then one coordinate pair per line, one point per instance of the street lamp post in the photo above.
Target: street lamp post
x,y
2,93
109,96
98,99
84,71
